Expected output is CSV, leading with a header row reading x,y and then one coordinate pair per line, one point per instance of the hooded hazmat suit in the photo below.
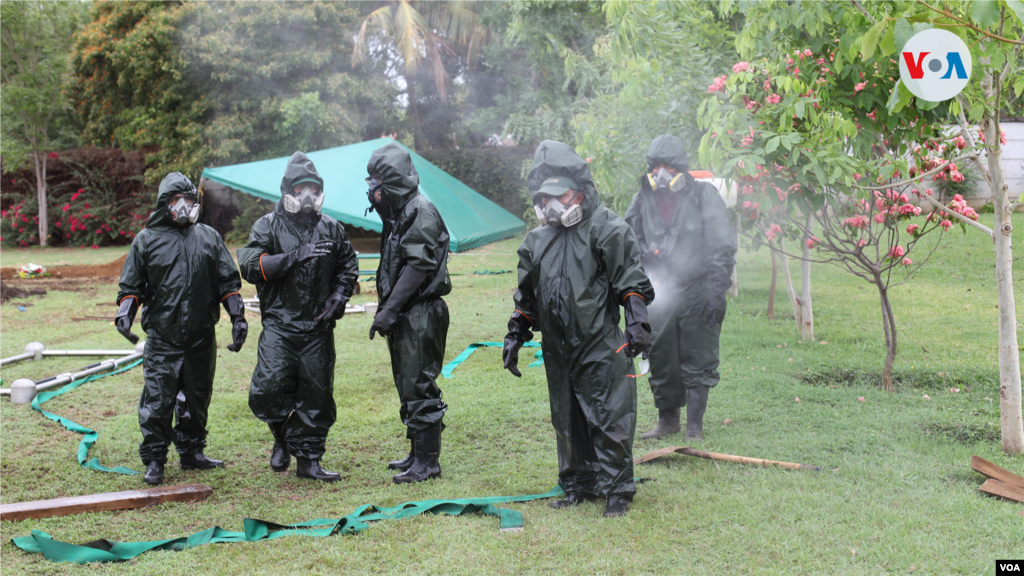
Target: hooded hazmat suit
x,y
177,274
292,387
572,281
689,252
414,245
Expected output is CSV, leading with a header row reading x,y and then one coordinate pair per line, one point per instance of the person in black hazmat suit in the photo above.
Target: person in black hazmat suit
x,y
305,271
411,279
689,251
574,273
178,272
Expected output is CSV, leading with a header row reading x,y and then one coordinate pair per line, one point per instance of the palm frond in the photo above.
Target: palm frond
x,y
380,20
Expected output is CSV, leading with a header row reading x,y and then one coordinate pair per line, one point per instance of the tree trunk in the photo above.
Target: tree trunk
x,y
414,111
889,328
790,290
40,159
1011,423
771,287
806,309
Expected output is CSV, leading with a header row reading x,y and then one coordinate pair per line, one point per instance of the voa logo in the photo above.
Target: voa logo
x,y
935,65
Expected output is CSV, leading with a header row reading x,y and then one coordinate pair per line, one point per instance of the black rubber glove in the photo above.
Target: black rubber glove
x,y
239,327
408,284
278,265
518,333
714,306
638,330
125,317
335,307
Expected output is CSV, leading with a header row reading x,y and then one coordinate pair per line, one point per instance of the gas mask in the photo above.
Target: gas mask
x,y
375,194
308,198
662,181
184,212
557,214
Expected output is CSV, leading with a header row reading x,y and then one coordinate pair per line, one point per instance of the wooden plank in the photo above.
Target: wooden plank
x,y
992,471
104,502
1003,490
721,457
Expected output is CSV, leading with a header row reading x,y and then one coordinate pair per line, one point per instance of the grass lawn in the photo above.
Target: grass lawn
x,y
896,495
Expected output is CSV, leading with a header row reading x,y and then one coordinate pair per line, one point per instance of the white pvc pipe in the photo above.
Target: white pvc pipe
x,y
87,352
105,365
16,358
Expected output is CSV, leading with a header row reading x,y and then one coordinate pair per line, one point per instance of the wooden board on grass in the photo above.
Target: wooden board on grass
x,y
1003,490
104,502
989,469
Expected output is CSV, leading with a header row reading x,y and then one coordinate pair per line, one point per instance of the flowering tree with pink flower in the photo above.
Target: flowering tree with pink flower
x,y
825,123
797,136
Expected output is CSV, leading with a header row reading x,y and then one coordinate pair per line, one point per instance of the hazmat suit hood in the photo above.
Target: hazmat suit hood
x,y
299,167
393,165
558,160
669,151
173,184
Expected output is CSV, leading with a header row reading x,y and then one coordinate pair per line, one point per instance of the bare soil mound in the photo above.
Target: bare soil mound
x,y
7,292
95,271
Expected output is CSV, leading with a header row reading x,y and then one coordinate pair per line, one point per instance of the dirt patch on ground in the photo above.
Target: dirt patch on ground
x,y
96,271
7,291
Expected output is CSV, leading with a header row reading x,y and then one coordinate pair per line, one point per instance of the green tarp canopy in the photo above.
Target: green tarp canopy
x,y
472,220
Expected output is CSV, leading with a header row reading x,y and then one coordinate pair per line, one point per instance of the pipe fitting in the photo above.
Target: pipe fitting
x,y
23,391
36,349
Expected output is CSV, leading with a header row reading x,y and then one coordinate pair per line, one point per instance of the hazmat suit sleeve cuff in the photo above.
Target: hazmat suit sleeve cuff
x,y
138,302
520,327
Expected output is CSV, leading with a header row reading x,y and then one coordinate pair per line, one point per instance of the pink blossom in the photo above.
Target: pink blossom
x,y
811,242
796,71
897,252
872,115
52,155
94,247
752,105
946,224
859,87
856,176
858,221
773,231
807,51
741,67
767,85
66,207
588,159
912,228
907,262
879,218
862,243
86,205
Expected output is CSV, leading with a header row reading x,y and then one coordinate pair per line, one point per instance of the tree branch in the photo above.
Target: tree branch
x,y
861,9
949,14
919,176
936,203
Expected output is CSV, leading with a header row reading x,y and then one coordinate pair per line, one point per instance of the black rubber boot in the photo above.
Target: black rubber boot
x,y
426,449
198,461
154,473
617,507
668,423
306,468
696,403
573,500
280,459
404,465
